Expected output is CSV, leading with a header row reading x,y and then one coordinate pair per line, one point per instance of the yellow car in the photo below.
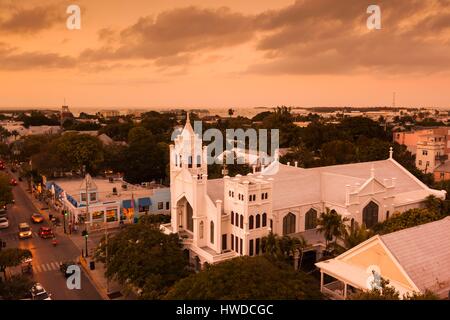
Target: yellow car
x,y
37,218
24,231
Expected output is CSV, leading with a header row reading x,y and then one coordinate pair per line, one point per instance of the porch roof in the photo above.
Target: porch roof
x,y
354,275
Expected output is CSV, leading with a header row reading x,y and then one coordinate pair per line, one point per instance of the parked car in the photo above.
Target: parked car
x,y
39,293
3,213
24,231
4,223
45,233
37,218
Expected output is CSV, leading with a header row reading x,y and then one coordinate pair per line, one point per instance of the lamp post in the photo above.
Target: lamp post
x,y
85,235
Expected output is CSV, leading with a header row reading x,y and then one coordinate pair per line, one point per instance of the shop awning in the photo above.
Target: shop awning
x,y
144,202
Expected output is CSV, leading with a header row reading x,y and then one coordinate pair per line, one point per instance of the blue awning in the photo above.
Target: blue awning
x,y
144,202
127,204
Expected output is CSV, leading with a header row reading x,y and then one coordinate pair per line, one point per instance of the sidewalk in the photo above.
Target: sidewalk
x,y
96,276
108,290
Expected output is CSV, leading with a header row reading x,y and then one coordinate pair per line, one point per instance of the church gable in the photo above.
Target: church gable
x,y
372,186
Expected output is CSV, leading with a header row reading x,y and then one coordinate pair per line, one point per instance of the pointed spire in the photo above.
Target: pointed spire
x,y
187,126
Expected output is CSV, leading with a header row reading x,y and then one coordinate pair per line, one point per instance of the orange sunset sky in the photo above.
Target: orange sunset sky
x,y
223,53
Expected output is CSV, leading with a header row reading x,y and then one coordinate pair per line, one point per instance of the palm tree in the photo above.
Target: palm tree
x,y
230,112
332,225
354,235
302,244
270,244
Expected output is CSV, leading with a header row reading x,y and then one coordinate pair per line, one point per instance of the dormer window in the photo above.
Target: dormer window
x,y
93,196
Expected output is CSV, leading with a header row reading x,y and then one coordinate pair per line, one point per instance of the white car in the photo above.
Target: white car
x,y
38,293
4,223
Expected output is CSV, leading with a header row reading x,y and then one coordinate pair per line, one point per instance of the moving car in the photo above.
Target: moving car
x,y
38,292
24,231
45,233
37,218
63,268
4,223
13,182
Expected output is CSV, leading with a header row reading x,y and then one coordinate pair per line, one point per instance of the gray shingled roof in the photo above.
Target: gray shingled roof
x,y
424,254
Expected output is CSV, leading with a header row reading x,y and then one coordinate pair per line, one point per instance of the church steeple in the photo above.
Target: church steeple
x,y
188,152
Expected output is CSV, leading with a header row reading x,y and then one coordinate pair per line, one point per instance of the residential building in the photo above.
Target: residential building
x,y
413,260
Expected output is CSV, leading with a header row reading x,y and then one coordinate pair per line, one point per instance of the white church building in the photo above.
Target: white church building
x,y
219,219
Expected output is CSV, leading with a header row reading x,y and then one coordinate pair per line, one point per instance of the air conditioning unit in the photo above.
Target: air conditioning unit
x,y
114,191
124,186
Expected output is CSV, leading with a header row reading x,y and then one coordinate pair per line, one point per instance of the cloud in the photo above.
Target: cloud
x,y
306,37
172,34
33,20
12,59
330,37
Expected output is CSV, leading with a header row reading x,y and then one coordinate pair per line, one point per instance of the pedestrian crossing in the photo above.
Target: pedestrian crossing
x,y
46,267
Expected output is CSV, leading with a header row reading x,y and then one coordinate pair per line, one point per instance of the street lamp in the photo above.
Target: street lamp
x,y
85,234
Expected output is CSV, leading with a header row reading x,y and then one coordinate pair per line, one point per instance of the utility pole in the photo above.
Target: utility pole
x,y
106,256
87,211
31,172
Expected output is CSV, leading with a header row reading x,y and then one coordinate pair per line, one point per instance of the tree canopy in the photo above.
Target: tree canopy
x,y
143,258
6,195
244,278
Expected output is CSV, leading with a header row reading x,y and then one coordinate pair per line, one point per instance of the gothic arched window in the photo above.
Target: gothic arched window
x,y
289,223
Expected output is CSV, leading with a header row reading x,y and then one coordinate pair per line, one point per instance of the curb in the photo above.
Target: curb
x,y
99,288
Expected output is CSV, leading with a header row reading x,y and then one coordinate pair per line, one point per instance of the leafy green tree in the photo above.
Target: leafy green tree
x,y
385,292
146,158
117,131
6,195
338,152
15,288
38,118
261,116
12,257
4,150
245,278
407,219
80,150
142,257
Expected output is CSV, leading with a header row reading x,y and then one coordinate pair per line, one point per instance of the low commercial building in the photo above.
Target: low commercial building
x,y
100,202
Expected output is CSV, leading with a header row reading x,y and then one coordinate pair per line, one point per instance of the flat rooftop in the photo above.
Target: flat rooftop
x,y
105,189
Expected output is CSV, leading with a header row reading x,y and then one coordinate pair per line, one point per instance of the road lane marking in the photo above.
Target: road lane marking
x,y
43,267
54,265
48,267
38,269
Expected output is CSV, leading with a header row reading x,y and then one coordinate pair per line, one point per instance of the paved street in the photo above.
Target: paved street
x,y
46,257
